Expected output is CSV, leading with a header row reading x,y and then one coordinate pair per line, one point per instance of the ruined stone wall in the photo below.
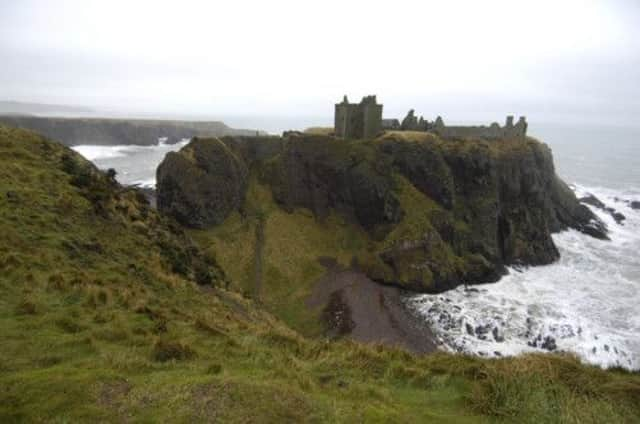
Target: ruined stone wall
x,y
372,125
493,131
341,118
390,124
358,120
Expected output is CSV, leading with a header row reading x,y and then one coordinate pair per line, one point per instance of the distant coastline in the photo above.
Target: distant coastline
x,y
73,131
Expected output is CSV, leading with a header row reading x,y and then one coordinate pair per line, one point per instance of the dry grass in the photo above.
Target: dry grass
x,y
319,130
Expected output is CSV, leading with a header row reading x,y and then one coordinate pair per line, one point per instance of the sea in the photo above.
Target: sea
x,y
587,303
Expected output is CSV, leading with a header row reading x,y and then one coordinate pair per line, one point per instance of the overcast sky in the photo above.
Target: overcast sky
x,y
467,60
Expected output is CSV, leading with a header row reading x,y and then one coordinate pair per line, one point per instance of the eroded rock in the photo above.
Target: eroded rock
x,y
202,183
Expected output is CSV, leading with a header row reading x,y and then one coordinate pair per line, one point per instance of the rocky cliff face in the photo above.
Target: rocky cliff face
x,y
202,184
506,192
322,174
437,213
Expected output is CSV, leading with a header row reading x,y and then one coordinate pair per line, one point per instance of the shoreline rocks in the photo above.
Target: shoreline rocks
x,y
592,200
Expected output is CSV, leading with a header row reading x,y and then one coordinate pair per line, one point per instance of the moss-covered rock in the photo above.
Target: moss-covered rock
x,y
202,183
321,173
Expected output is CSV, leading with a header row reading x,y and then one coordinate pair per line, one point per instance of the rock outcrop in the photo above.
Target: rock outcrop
x,y
437,213
592,200
322,174
200,185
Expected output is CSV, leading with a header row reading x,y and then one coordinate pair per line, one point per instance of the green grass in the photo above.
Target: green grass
x,y
97,323
293,244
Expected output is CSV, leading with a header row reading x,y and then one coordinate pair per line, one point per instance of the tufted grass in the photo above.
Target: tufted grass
x,y
96,325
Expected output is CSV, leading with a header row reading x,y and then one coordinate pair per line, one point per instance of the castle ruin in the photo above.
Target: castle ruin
x,y
358,120
493,131
364,120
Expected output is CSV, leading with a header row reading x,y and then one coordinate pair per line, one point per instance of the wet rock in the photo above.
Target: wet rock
x,y
497,353
549,344
496,335
596,229
635,204
572,213
592,200
483,329
618,217
470,329
606,348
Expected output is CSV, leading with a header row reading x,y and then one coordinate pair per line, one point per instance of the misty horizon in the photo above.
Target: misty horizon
x,y
569,62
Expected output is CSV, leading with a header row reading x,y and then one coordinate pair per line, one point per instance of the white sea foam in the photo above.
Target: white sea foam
x,y
586,303
145,183
134,164
91,152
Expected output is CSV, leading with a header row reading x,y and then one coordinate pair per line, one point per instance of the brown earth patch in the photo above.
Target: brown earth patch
x,y
112,395
354,306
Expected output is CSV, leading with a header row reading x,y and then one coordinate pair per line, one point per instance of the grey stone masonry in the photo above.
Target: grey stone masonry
x,y
364,120
358,120
493,131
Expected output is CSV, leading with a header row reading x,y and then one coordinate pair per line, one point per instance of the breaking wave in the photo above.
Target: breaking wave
x,y
135,165
586,303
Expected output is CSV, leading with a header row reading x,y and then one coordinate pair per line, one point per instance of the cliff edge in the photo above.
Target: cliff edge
x,y
429,214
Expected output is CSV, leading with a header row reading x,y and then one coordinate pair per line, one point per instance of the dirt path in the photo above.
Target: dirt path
x,y
354,306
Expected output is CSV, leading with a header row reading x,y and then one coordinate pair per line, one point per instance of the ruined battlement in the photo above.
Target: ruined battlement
x,y
358,120
493,131
364,120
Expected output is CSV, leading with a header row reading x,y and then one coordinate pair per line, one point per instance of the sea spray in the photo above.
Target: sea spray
x,y
586,303
134,164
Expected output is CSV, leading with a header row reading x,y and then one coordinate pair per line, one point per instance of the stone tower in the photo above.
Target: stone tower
x,y
358,120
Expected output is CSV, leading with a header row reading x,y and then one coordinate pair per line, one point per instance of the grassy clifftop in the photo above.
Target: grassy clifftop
x,y
109,313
